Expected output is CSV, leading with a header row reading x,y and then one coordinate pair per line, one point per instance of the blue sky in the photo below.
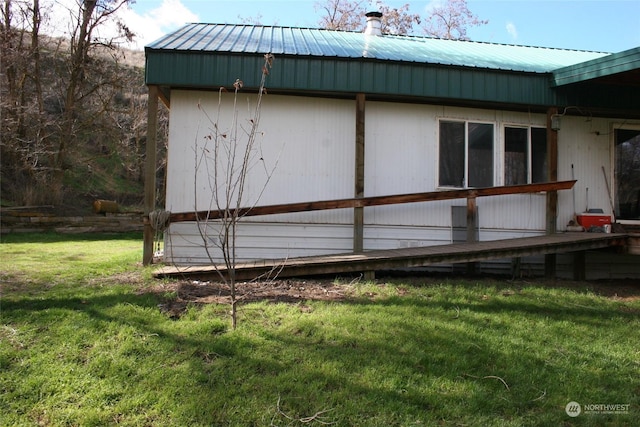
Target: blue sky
x,y
598,25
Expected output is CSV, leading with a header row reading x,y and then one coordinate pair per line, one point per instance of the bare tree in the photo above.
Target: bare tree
x,y
21,101
77,84
348,15
60,96
448,20
398,21
251,20
228,153
451,20
342,14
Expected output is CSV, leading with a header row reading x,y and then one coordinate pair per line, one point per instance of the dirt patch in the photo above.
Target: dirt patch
x,y
297,291
619,290
290,291
286,291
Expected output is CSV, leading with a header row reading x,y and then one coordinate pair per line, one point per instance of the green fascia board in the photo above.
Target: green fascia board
x,y
615,63
342,76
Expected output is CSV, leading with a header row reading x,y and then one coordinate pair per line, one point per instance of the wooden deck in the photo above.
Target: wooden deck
x,y
406,257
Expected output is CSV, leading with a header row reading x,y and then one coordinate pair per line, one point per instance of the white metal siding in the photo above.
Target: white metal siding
x,y
402,157
256,240
309,144
584,142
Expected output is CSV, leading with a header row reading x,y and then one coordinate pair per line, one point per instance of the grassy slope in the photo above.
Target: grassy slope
x,y
105,162
83,343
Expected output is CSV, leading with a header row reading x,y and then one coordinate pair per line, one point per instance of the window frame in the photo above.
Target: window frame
x,y
466,175
529,153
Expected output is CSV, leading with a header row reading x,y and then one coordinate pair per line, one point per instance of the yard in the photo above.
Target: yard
x,y
88,338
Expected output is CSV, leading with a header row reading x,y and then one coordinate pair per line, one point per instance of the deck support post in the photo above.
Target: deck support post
x,y
472,213
552,196
516,270
579,265
150,174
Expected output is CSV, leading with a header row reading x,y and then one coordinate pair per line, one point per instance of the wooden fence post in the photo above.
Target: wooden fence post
x,y
150,174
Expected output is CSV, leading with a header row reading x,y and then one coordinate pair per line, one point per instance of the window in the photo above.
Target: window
x,y
466,154
525,155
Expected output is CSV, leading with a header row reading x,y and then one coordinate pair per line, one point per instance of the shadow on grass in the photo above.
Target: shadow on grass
x,y
52,237
386,361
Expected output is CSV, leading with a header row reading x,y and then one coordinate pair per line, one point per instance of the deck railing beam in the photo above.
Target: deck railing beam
x,y
374,201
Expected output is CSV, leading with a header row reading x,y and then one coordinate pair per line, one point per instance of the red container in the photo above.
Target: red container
x,y
588,220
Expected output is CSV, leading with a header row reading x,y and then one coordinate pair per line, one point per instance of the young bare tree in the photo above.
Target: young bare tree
x,y
451,20
227,154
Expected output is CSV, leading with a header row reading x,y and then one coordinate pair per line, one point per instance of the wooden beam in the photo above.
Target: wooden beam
x,y
358,211
166,101
552,196
375,201
150,173
406,257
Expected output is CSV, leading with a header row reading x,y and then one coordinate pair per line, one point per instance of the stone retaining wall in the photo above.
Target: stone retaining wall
x,y
22,221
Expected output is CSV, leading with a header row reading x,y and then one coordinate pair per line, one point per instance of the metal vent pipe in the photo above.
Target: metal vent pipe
x,y
374,24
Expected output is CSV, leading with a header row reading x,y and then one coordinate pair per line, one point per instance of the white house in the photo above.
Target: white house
x,y
357,115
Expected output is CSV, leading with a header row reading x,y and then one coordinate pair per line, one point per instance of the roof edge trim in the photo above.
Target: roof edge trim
x,y
615,63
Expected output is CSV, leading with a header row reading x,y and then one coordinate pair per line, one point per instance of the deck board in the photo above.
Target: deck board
x,y
406,257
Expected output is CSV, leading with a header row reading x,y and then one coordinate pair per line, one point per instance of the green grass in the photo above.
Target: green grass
x,y
83,343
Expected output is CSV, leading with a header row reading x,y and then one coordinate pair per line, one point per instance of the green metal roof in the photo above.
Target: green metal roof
x,y
628,60
414,69
246,39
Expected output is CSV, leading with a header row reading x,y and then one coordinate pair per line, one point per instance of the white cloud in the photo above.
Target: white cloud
x,y
512,30
433,4
148,26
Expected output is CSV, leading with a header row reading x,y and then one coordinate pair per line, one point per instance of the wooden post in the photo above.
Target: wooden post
x,y
472,211
150,174
552,196
358,212
472,215
579,265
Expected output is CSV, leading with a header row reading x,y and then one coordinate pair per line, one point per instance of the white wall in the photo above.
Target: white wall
x,y
308,143
402,157
585,143
304,145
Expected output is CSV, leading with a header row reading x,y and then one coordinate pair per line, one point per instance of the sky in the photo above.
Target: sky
x,y
595,25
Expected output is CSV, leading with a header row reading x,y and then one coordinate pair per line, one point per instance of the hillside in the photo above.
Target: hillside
x,y
94,149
